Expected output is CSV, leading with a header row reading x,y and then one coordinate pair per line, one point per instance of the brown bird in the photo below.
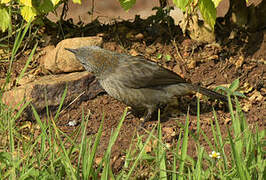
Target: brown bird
x,y
137,82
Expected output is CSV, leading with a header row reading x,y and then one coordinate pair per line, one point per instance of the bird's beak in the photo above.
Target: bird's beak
x,y
71,50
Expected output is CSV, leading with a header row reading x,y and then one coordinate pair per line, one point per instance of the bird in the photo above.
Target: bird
x,y
137,82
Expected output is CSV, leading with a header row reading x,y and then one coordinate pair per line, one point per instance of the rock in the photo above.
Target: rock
x,y
47,62
58,60
139,36
27,78
51,87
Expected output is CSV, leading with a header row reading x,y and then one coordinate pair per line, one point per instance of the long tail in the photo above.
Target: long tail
x,y
209,93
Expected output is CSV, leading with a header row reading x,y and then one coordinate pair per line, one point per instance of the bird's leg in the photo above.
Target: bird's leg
x,y
147,116
129,111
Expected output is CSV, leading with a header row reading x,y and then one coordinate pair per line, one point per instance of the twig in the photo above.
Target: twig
x,y
177,50
92,9
72,102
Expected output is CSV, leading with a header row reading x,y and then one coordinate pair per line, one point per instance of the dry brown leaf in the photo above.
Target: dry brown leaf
x,y
98,160
246,88
239,62
227,120
133,52
247,106
256,96
191,64
169,131
168,145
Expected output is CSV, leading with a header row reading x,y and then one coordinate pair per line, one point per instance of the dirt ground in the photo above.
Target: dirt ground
x,y
207,65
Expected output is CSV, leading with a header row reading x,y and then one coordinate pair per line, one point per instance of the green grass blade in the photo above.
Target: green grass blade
x,y
214,136
27,63
184,149
19,38
198,118
61,104
95,145
71,173
241,170
174,173
161,155
139,157
197,173
113,138
220,140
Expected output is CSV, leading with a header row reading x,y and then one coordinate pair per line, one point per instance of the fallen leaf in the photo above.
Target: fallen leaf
x,y
246,88
133,52
256,96
239,62
169,131
227,120
191,64
247,106
98,160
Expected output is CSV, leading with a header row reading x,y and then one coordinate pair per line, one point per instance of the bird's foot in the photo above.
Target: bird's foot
x,y
146,118
129,110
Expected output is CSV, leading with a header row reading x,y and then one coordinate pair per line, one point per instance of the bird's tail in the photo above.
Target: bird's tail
x,y
209,93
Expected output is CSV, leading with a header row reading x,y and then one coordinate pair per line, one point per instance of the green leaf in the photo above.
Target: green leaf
x,y
208,11
127,4
168,57
77,1
4,20
28,13
159,56
55,2
5,1
239,94
26,2
216,2
44,6
234,85
182,4
184,149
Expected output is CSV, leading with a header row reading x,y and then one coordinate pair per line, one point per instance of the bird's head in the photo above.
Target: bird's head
x,y
93,58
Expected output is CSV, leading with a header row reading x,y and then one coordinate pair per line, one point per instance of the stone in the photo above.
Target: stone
x,y
51,88
47,62
58,60
139,36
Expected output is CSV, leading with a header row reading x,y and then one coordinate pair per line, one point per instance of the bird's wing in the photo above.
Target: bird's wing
x,y
137,72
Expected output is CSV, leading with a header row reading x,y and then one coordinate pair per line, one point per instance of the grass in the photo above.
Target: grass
x,y
52,154
49,153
